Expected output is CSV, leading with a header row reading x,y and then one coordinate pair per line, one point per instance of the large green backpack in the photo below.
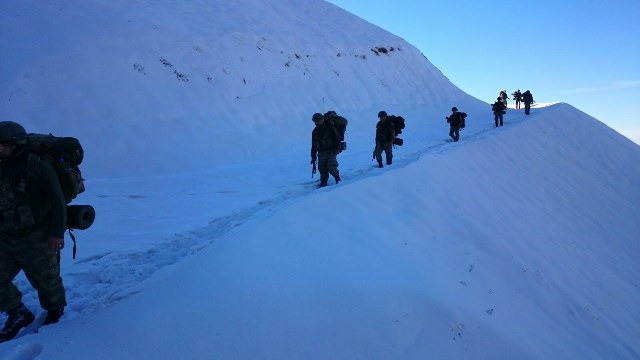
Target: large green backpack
x,y
398,123
339,122
64,154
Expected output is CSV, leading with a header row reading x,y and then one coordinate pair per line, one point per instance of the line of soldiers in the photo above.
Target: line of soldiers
x,y
499,108
327,138
526,98
327,141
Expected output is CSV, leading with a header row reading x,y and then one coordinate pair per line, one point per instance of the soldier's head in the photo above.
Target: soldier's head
x,y
455,109
317,118
11,135
382,114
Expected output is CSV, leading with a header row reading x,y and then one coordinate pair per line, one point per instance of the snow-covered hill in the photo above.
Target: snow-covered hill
x,y
516,242
128,71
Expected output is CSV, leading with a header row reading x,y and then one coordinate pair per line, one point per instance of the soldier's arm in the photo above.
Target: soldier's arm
x,y
56,199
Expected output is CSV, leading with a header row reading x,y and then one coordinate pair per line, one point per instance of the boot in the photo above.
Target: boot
x,y
53,316
337,177
380,163
17,319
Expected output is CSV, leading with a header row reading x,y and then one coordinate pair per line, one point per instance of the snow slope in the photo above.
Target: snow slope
x,y
516,242
127,71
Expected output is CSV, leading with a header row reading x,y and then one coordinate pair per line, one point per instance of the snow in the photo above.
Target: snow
x,y
212,242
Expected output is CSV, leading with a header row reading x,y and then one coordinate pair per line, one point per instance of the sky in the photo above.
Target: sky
x,y
516,242
584,53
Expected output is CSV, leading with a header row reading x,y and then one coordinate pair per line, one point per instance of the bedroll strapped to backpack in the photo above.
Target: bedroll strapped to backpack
x,y
65,154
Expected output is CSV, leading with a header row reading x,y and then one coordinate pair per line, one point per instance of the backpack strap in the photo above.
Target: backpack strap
x,y
73,238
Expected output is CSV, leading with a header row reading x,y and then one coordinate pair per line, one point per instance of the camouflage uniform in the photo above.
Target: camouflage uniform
x,y
498,109
325,146
527,98
455,121
32,209
517,96
385,134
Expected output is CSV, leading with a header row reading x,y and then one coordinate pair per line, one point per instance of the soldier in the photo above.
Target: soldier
x,y
504,98
385,135
32,224
517,96
498,109
325,145
527,98
456,122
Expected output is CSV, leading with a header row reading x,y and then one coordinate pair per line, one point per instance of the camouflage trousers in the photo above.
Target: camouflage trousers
x,y
388,151
498,117
41,266
327,164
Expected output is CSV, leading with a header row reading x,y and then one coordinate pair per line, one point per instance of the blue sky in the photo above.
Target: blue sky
x,y
585,53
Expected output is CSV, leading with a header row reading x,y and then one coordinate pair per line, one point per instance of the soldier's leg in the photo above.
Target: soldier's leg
x,y
378,153
388,152
42,268
332,164
10,296
323,167
495,117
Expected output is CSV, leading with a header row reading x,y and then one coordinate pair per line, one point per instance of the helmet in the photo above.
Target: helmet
x,y
316,117
330,112
12,132
382,113
454,109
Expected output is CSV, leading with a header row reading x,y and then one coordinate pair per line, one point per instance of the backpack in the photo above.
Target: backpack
x,y
327,137
339,123
398,123
64,154
462,116
498,107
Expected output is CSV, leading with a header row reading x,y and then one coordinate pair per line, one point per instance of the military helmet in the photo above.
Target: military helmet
x,y
330,112
12,132
382,113
454,109
316,117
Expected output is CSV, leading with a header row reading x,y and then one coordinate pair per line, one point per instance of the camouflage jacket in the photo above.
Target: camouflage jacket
x,y
30,197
